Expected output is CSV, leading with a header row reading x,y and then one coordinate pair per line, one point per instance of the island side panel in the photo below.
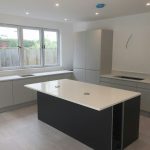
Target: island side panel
x,y
92,127
131,121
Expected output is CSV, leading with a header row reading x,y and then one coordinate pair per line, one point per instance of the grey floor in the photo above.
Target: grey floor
x,y
21,130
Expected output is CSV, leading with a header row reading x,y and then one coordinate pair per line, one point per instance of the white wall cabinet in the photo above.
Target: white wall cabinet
x,y
6,98
93,54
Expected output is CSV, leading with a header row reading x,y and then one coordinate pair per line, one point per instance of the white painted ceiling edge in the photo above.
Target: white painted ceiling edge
x,y
75,10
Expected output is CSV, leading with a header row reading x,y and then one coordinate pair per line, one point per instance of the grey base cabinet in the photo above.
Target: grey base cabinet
x,y
117,83
145,99
13,92
143,88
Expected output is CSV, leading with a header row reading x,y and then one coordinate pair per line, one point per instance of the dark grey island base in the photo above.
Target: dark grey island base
x,y
112,128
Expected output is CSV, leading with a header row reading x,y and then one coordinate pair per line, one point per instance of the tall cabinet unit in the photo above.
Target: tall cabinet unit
x,y
93,54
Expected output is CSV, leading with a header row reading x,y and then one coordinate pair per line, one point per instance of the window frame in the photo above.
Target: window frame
x,y
12,67
22,47
42,49
58,47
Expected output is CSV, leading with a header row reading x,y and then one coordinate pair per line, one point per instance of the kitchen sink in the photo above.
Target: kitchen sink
x,y
132,78
27,75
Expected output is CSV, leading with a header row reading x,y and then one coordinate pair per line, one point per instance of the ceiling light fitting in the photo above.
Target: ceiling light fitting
x,y
66,19
27,13
148,4
97,13
57,4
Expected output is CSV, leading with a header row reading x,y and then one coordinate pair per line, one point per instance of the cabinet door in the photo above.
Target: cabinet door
x,y
92,76
93,47
124,87
145,99
61,76
79,53
6,94
79,74
106,84
22,94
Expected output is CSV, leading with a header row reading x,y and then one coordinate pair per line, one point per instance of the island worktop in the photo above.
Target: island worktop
x,y
90,95
101,117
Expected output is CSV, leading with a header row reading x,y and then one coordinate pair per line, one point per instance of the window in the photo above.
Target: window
x,y
31,47
28,47
9,53
51,47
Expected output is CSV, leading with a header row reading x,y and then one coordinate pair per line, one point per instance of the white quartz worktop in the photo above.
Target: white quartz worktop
x,y
146,79
100,97
5,78
16,77
52,73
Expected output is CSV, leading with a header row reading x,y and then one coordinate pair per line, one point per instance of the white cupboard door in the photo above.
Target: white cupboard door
x,y
79,53
92,76
79,74
6,94
61,76
93,48
106,84
22,94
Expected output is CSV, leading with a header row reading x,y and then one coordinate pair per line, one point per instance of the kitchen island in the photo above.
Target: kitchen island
x,y
103,118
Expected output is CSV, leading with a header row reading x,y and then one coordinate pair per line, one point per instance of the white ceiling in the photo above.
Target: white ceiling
x,y
76,10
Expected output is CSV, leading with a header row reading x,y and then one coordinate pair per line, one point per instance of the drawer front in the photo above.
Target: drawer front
x,y
143,85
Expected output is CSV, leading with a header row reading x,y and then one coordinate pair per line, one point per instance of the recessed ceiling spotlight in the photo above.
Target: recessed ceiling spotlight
x,y
97,13
57,4
66,20
27,12
148,4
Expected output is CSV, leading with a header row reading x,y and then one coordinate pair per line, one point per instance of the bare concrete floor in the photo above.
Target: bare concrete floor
x,y
21,130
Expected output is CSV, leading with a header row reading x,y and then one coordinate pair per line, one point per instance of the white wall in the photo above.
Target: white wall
x,y
135,58
66,31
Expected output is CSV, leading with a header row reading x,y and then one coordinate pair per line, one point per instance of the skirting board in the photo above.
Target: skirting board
x,y
10,108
